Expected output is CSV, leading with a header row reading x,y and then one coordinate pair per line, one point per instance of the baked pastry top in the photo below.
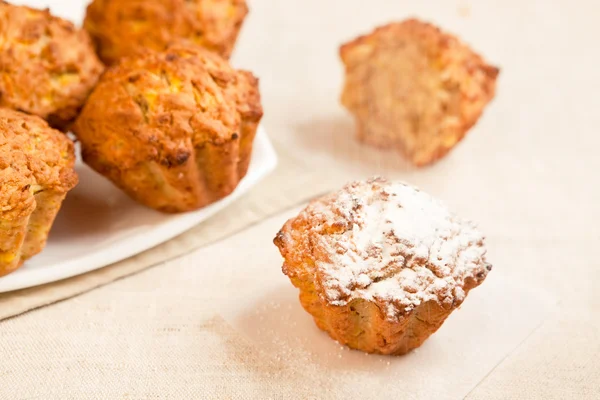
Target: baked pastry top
x,y
415,88
47,66
173,129
380,265
389,243
36,172
33,157
122,28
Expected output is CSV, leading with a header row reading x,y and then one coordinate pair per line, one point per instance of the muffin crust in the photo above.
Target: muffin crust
x,y
381,265
47,66
414,88
36,172
173,129
121,28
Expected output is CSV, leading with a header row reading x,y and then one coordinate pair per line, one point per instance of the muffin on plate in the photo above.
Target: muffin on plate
x,y
414,88
47,66
121,28
173,129
36,172
380,265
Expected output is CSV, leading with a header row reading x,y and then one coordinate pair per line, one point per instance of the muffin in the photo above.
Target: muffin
x,y
121,28
380,265
36,172
47,66
414,88
173,129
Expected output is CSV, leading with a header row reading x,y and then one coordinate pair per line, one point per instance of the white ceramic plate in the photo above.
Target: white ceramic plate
x,y
99,225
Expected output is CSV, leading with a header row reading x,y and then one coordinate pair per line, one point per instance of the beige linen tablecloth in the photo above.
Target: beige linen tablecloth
x,y
527,173
205,327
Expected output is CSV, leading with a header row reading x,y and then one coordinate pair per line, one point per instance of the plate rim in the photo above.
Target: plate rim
x,y
174,227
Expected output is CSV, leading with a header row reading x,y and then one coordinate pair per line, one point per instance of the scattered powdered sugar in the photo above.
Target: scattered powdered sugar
x,y
392,244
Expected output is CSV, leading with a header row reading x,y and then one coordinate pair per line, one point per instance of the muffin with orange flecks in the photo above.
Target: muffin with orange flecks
x,y
47,66
173,129
380,265
122,28
36,172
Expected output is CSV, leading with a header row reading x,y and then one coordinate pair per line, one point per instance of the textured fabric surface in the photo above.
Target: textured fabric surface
x,y
527,172
198,328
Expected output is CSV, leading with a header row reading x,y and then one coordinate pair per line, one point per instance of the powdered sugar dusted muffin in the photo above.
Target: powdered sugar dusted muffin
x,y
380,265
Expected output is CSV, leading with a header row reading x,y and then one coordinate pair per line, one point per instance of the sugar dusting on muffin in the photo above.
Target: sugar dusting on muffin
x,y
397,244
380,265
390,243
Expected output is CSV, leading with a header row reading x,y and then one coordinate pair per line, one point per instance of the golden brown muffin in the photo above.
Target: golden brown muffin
x,y
47,67
414,88
174,129
122,28
36,172
381,265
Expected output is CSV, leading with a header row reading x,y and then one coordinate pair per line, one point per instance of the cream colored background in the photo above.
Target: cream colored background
x,y
527,173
